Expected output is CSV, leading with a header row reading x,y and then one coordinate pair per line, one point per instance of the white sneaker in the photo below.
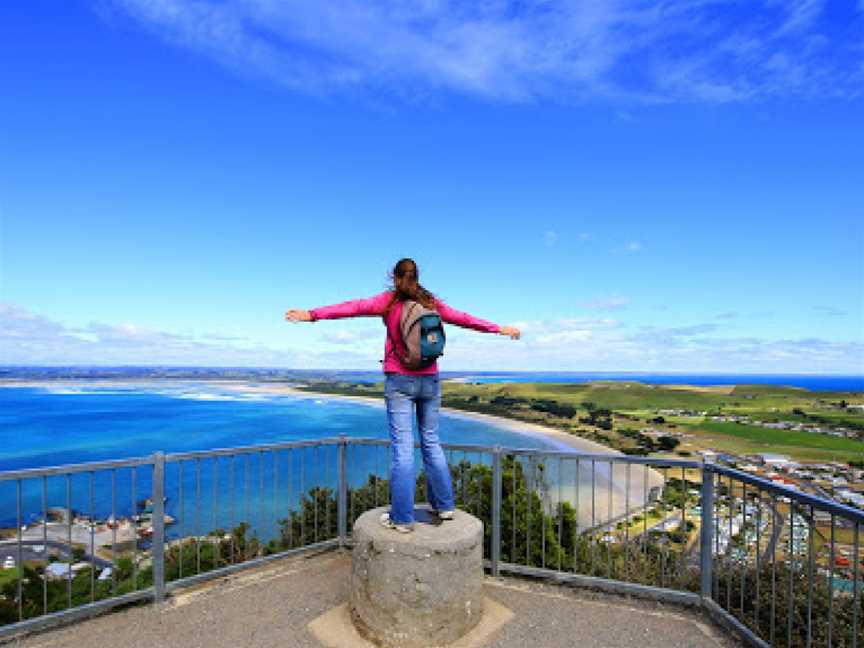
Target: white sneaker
x,y
387,523
443,515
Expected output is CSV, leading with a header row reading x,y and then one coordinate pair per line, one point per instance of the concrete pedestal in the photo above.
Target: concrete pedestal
x,y
419,589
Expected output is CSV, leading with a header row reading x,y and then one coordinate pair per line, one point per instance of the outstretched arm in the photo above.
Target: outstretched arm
x,y
453,316
353,308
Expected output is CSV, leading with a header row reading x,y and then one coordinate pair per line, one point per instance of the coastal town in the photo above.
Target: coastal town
x,y
66,543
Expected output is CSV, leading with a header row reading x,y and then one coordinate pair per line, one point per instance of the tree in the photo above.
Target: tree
x,y
668,443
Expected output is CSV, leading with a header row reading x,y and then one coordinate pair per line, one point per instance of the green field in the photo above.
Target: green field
x,y
8,576
749,439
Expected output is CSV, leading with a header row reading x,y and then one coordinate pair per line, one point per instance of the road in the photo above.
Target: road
x,y
10,548
776,530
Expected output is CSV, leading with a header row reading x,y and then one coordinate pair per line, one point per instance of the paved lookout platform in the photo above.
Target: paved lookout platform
x,y
417,589
275,605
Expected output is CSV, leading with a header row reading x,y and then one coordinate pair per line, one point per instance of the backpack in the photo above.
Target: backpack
x,y
423,334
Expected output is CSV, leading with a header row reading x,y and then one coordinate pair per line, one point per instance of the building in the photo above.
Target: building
x,y
57,570
780,462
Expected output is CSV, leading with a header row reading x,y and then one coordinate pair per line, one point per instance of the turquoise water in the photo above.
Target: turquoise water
x,y
82,422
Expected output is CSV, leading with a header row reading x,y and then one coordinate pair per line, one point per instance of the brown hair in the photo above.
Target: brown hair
x,y
406,285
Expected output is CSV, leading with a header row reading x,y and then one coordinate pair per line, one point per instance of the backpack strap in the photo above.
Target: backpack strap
x,y
393,346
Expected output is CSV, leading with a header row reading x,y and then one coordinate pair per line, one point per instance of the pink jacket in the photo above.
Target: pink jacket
x,y
375,306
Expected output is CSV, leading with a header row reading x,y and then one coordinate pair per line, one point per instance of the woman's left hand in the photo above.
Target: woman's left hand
x,y
511,331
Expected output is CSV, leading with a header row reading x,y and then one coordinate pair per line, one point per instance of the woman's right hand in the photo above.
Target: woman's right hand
x,y
511,331
298,315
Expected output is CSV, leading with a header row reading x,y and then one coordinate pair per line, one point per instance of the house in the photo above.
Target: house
x,y
652,433
781,462
57,570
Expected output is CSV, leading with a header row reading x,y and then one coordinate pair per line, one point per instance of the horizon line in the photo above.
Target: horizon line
x,y
463,371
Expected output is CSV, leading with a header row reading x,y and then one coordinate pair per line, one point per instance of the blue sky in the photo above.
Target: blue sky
x,y
650,186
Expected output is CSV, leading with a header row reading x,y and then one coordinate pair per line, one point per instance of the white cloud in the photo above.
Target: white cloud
x,y
29,338
346,336
727,315
550,238
607,345
565,344
829,311
605,303
703,50
801,14
673,332
632,246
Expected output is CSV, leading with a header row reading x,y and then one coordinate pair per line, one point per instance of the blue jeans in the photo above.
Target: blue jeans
x,y
403,393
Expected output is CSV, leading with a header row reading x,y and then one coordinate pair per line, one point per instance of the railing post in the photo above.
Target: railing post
x,y
158,549
707,531
496,509
342,495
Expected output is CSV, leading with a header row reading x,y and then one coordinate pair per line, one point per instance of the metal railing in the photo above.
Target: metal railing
x,y
776,565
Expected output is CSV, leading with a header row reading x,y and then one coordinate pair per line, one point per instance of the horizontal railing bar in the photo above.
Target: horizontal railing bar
x,y
368,441
575,454
68,616
29,473
569,454
653,462
467,447
723,618
50,471
264,447
824,504
248,564
805,498
613,586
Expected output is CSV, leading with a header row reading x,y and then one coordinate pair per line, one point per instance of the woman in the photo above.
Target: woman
x,y
407,389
